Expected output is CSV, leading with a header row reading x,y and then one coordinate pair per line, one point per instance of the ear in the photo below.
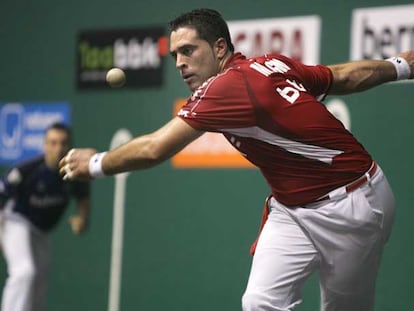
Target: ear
x,y
220,47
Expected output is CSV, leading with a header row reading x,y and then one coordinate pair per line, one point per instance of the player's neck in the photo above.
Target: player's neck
x,y
224,60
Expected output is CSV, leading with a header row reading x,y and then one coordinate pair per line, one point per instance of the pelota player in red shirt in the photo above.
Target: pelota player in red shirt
x,y
331,208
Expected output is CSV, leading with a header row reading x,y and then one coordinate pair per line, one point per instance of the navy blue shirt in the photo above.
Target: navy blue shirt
x,y
39,193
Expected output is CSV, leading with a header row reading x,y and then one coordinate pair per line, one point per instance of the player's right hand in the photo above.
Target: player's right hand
x,y
78,224
409,57
75,164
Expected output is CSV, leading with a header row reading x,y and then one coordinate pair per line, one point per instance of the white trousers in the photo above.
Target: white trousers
x,y
26,251
342,239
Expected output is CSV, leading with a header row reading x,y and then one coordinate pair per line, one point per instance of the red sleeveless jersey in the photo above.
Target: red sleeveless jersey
x,y
269,109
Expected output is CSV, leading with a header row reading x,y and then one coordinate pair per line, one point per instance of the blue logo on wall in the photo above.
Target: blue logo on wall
x,y
22,127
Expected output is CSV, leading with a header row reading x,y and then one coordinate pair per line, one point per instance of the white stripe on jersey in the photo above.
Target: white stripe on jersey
x,y
203,88
309,151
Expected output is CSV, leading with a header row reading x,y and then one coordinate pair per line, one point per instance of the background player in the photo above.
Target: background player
x,y
331,207
33,199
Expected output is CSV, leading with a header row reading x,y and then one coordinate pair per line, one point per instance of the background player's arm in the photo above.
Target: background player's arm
x,y
362,75
139,153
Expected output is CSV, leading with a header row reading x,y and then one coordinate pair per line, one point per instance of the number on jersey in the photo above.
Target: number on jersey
x,y
291,93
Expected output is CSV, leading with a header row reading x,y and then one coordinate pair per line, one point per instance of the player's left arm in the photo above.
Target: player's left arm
x,y
358,76
80,221
141,152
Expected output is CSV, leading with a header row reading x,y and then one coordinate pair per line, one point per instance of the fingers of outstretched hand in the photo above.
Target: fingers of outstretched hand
x,y
75,165
69,173
66,165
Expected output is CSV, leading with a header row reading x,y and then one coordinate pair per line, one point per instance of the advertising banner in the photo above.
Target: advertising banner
x,y
382,32
22,127
297,37
138,52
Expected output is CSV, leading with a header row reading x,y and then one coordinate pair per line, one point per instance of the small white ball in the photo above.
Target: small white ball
x,y
115,77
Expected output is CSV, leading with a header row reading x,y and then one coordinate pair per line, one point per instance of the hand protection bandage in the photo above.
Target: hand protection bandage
x,y
95,165
401,66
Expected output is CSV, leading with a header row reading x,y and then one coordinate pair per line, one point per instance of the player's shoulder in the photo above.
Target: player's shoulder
x,y
268,64
32,163
19,171
218,85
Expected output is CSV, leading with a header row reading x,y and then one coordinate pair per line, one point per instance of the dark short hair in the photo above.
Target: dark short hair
x,y
60,127
208,23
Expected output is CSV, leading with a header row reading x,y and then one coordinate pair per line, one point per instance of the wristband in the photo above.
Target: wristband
x,y
401,66
95,165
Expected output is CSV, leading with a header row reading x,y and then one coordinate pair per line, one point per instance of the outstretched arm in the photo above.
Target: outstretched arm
x,y
362,75
139,153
